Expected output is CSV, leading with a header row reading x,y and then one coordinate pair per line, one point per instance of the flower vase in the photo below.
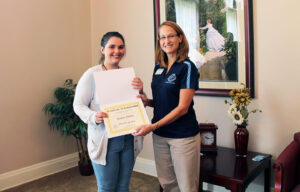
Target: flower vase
x,y
241,138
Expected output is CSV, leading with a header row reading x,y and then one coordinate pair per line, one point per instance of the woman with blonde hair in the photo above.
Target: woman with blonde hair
x,y
176,138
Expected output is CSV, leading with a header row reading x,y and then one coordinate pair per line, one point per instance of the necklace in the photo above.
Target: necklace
x,y
107,69
104,67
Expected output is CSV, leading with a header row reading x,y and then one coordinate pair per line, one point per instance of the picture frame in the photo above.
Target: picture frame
x,y
223,69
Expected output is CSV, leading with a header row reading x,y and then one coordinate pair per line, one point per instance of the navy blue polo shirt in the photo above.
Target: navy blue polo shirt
x,y
166,89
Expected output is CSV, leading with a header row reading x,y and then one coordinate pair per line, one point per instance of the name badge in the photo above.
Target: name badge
x,y
159,71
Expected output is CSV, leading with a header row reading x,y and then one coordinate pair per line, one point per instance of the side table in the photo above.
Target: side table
x,y
234,173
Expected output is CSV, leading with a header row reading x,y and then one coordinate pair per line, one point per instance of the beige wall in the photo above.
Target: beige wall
x,y
277,74
42,43
276,68
134,19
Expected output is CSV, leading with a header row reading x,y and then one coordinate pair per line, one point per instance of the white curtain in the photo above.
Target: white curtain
x,y
231,19
187,18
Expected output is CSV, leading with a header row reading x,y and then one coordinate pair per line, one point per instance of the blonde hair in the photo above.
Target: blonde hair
x,y
182,51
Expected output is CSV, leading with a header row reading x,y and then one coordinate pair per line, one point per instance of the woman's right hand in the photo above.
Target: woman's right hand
x,y
99,117
143,130
137,83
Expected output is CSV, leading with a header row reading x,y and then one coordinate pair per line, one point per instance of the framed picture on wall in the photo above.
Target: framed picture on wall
x,y
220,39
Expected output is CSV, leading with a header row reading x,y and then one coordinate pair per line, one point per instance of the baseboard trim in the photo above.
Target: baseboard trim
x,y
253,187
33,172
37,171
145,166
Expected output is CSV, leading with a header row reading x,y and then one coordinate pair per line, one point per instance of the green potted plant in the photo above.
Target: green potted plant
x,y
64,119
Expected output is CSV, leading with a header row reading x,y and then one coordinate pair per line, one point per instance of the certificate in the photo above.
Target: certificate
x,y
118,98
124,118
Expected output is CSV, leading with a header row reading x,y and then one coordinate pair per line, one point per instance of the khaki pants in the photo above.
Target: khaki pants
x,y
177,163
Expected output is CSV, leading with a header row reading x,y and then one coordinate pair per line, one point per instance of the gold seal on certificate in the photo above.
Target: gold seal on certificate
x,y
124,118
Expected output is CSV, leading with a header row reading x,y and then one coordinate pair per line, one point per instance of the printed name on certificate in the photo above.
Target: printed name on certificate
x,y
124,118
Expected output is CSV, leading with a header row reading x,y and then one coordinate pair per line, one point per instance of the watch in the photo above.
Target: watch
x,y
208,132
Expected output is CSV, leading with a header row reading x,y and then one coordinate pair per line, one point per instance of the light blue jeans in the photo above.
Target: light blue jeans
x,y
115,175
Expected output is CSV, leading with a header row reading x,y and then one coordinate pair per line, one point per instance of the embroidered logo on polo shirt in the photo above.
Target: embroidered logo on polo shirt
x,y
171,78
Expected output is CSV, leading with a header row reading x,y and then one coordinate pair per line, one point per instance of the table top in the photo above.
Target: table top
x,y
226,164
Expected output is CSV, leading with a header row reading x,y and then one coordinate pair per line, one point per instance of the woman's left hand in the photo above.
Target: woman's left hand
x,y
144,99
137,83
143,130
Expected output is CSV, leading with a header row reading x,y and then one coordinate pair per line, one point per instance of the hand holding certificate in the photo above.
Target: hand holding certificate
x,y
124,118
118,99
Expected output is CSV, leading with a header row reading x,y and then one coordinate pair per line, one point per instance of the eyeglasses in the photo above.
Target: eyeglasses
x,y
171,37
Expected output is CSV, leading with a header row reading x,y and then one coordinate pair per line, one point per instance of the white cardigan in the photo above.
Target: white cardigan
x,y
86,105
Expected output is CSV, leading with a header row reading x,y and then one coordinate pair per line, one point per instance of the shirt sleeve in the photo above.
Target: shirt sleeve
x,y
83,96
190,76
205,27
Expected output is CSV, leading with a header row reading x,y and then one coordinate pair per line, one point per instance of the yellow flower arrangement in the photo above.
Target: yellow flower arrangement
x,y
238,111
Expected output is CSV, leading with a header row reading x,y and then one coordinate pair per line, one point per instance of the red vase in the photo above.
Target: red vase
x,y
241,138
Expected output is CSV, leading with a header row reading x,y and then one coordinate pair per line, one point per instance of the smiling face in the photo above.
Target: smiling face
x,y
113,51
169,40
